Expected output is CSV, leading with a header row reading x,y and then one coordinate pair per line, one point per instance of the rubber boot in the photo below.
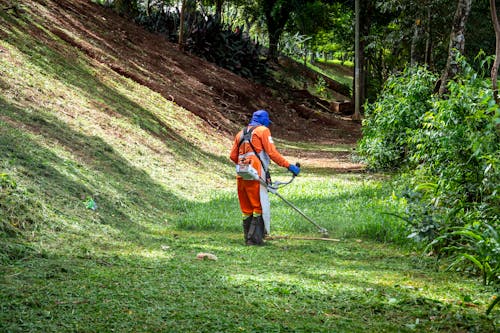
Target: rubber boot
x,y
246,226
256,231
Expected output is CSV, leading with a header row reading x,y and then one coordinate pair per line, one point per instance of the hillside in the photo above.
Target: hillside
x,y
85,87
107,41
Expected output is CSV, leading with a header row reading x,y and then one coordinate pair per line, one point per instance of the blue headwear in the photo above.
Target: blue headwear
x,y
260,117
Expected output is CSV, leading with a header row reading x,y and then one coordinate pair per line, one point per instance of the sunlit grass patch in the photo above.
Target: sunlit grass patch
x,y
354,205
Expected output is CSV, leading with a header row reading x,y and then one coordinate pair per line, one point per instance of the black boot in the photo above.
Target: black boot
x,y
246,226
256,231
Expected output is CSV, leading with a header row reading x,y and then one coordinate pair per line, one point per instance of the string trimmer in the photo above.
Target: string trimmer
x,y
273,187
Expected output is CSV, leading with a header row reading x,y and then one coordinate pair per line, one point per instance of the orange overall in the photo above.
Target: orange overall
x,y
249,190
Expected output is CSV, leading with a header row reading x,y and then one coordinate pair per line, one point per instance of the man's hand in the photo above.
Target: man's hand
x,y
294,169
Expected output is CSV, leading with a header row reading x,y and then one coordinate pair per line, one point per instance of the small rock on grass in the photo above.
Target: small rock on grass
x,y
206,256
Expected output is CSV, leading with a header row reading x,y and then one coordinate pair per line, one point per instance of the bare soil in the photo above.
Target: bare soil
x,y
224,100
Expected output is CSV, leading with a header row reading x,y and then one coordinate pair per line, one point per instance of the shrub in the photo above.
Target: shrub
x,y
457,151
393,118
226,48
208,38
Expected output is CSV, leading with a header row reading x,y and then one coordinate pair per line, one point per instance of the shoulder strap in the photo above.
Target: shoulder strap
x,y
246,136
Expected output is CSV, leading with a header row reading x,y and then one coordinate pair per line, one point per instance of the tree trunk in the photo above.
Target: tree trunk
x,y
457,43
494,70
428,38
276,14
218,9
413,47
273,46
181,26
357,67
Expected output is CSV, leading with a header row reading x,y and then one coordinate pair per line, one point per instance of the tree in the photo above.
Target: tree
x,y
308,20
181,25
357,64
457,43
276,13
363,22
494,69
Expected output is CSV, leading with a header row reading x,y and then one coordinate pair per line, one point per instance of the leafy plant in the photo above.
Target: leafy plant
x,y
232,50
392,119
478,244
457,148
159,20
420,215
321,87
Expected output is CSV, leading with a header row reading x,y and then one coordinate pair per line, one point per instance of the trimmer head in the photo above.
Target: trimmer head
x,y
324,233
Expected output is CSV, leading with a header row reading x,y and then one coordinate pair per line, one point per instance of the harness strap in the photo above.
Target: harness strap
x,y
247,136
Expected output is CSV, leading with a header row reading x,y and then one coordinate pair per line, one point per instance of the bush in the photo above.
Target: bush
x,y
209,39
391,121
457,151
226,48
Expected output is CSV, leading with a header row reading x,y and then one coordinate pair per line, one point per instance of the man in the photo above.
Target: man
x,y
252,151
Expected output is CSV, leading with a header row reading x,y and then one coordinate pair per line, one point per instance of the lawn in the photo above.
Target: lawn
x,y
145,277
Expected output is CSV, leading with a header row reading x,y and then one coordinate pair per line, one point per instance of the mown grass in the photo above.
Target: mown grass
x,y
288,285
70,131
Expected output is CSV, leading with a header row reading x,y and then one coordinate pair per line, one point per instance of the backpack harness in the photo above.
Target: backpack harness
x,y
246,137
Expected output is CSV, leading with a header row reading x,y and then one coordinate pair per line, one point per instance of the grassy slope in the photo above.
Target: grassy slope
x,y
71,129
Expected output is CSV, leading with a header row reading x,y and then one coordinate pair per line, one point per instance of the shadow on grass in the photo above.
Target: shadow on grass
x,y
64,184
280,287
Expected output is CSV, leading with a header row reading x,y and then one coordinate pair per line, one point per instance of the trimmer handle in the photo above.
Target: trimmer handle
x,y
297,164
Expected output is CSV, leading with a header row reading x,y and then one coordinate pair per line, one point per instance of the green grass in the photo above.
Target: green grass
x,y
346,205
70,131
333,73
288,285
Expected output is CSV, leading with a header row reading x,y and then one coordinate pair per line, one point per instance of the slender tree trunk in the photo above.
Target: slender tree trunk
x,y
273,46
218,9
413,48
457,43
428,38
357,67
181,26
494,70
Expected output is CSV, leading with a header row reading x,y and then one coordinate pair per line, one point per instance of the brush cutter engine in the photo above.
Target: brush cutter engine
x,y
247,171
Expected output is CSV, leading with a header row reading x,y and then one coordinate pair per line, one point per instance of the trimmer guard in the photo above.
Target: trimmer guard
x,y
266,208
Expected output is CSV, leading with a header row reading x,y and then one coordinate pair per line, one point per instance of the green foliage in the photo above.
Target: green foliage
x,y
478,244
457,149
127,8
232,50
321,87
494,303
210,39
161,21
451,146
392,119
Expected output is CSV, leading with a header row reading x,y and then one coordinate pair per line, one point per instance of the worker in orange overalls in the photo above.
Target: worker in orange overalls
x,y
253,146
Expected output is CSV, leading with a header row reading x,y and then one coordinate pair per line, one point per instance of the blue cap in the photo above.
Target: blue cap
x,y
260,117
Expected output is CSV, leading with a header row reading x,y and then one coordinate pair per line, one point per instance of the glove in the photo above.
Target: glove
x,y
294,169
